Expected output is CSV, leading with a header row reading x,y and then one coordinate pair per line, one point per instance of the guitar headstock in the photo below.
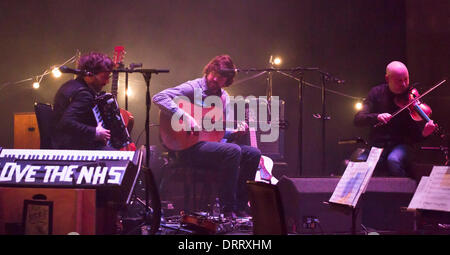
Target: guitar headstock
x,y
119,52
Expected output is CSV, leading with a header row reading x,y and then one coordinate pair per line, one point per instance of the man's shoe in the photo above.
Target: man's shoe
x,y
229,215
243,214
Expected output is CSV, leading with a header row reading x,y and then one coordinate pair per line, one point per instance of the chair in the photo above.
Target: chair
x,y
266,209
44,116
191,177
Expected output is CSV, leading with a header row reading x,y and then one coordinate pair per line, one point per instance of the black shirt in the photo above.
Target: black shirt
x,y
401,129
74,118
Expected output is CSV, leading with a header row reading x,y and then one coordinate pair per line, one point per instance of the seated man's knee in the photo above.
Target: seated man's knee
x,y
232,151
396,165
254,152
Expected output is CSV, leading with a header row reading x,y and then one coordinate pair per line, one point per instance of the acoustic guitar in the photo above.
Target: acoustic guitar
x,y
119,52
177,136
264,172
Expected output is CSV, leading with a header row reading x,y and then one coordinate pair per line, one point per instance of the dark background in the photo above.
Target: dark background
x,y
352,39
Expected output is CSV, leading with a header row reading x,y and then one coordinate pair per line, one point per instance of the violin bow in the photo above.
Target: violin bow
x,y
412,102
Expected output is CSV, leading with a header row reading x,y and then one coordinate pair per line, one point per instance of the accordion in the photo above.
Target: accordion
x,y
107,112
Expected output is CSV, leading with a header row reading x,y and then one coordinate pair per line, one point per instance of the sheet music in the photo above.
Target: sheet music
x,y
437,191
417,199
350,183
372,160
355,179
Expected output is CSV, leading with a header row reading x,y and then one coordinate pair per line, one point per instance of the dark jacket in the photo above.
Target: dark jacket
x,y
401,129
75,122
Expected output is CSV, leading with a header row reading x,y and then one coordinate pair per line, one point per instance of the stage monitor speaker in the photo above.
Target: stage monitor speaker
x,y
382,202
380,207
305,212
74,210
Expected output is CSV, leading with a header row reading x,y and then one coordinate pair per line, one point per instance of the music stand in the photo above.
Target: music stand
x,y
353,184
431,201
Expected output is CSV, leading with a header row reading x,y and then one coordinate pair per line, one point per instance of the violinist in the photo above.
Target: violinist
x,y
398,134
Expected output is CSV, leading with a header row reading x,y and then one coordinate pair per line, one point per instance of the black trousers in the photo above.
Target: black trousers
x,y
236,164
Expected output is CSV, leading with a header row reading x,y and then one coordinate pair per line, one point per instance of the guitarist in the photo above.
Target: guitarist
x,y
236,163
75,124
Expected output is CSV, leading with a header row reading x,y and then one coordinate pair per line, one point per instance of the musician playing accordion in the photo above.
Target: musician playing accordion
x,y
76,126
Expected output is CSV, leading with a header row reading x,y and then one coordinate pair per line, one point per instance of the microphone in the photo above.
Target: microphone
x,y
65,69
337,80
329,77
134,65
235,70
352,141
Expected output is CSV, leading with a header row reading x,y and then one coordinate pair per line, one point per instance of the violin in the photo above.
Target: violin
x,y
410,100
417,110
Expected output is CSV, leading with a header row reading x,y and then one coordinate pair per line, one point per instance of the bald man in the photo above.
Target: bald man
x,y
400,133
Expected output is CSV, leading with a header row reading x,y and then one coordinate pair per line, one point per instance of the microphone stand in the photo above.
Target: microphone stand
x,y
126,91
325,77
147,74
154,223
300,119
300,98
324,119
132,66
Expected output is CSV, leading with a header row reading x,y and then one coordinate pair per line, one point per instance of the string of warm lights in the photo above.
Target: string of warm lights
x,y
276,61
37,79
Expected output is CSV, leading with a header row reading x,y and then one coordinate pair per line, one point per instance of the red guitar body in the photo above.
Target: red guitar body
x,y
127,117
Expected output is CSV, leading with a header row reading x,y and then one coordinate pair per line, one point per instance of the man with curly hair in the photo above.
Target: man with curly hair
x,y
76,127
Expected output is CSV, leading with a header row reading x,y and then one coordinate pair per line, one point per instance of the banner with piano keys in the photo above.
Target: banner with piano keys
x,y
30,167
72,175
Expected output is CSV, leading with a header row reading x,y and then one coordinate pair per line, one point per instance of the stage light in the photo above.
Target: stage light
x,y
56,72
36,85
358,106
129,92
277,61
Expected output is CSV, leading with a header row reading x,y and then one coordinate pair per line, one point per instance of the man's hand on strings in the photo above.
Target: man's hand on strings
x,y
194,126
242,128
429,128
384,117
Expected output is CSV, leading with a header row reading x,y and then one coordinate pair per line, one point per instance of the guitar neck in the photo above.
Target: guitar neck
x,y
114,84
253,142
119,52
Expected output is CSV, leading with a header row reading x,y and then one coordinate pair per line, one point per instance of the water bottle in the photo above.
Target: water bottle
x,y
216,208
